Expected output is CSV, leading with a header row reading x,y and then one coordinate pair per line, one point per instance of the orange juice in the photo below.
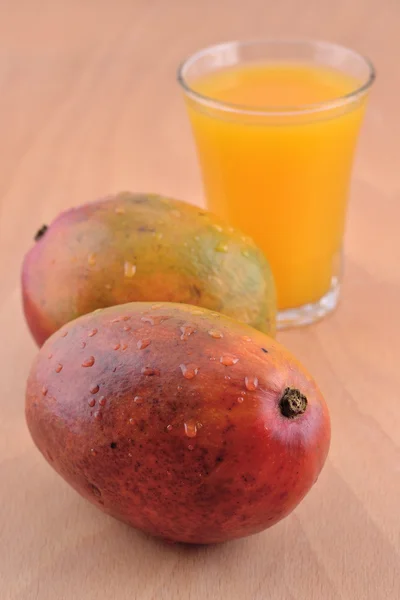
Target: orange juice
x,y
281,170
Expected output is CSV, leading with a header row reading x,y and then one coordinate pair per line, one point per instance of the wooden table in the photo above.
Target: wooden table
x,y
89,105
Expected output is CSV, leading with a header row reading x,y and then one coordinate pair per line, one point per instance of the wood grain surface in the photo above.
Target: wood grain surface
x,y
89,105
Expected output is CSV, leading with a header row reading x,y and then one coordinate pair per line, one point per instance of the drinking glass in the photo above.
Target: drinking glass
x,y
276,124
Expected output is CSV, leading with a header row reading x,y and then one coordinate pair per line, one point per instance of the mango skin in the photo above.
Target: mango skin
x,y
138,247
201,458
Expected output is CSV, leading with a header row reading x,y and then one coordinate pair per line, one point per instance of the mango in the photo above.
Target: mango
x,y
138,247
179,421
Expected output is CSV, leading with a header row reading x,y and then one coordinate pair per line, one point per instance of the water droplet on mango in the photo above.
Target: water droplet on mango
x,y
88,362
187,331
92,332
190,429
228,360
217,335
149,371
94,388
251,383
156,319
149,320
141,344
58,368
129,269
189,371
221,247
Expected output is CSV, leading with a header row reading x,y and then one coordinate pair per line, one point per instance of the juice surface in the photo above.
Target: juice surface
x,y
281,178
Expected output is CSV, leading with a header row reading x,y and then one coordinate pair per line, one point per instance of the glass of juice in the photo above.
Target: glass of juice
x,y
276,124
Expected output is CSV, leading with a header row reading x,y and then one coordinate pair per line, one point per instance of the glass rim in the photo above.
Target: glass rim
x,y
274,110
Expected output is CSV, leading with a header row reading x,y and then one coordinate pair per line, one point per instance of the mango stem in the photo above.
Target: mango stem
x,y
40,233
293,403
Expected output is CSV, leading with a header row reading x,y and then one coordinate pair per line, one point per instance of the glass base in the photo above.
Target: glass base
x,y
309,313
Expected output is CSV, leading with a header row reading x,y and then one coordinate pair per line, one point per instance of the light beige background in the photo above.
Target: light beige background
x,y
88,105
